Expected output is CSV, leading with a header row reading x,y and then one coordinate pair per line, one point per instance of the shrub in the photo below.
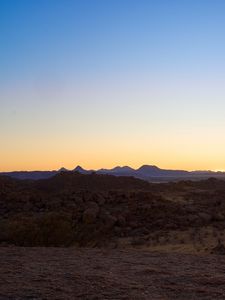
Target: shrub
x,y
50,229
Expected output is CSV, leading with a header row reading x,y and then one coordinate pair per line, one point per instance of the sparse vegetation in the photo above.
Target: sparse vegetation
x,y
101,210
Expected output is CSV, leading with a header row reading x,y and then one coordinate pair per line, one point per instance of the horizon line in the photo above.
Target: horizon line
x,y
117,166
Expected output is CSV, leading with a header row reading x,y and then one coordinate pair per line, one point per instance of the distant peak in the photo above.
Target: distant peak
x,y
62,170
147,167
122,168
81,170
78,168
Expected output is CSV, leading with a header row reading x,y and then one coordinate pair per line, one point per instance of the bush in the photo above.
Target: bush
x,y
50,229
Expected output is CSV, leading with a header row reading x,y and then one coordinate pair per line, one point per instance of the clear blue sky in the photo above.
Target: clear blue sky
x,y
107,82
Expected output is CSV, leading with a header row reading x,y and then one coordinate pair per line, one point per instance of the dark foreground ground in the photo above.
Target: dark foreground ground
x,y
69,273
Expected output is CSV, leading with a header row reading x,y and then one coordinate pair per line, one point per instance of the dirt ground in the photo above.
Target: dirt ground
x,y
69,273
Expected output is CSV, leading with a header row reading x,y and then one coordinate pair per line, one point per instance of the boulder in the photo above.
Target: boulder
x,y
121,221
218,217
90,213
108,220
205,217
219,249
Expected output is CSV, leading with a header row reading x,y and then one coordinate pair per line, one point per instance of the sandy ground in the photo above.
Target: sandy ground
x,y
68,273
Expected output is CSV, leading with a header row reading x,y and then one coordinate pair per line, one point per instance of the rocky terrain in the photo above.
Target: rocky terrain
x,y
73,209
105,237
69,273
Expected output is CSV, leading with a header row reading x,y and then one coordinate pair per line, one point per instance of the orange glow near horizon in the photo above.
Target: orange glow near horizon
x,y
193,149
104,132
105,85
94,156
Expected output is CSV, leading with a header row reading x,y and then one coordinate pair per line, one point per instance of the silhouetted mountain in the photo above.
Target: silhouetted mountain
x,y
152,171
148,168
121,169
63,169
118,171
145,172
79,169
33,175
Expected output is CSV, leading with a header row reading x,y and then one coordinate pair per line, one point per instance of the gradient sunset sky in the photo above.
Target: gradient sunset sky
x,y
102,83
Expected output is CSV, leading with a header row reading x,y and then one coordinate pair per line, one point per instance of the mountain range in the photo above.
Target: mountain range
x,y
145,172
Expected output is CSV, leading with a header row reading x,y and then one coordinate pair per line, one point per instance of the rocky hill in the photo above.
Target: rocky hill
x,y
108,211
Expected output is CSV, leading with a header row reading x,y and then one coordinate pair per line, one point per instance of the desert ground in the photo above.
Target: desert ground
x,y
94,236
69,273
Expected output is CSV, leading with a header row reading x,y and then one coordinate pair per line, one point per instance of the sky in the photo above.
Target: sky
x,y
119,82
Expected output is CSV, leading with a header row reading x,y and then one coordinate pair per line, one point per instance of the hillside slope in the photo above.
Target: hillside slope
x,y
107,211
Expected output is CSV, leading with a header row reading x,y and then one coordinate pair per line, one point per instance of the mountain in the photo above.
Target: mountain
x,y
148,168
155,174
32,175
79,169
118,171
63,170
145,172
